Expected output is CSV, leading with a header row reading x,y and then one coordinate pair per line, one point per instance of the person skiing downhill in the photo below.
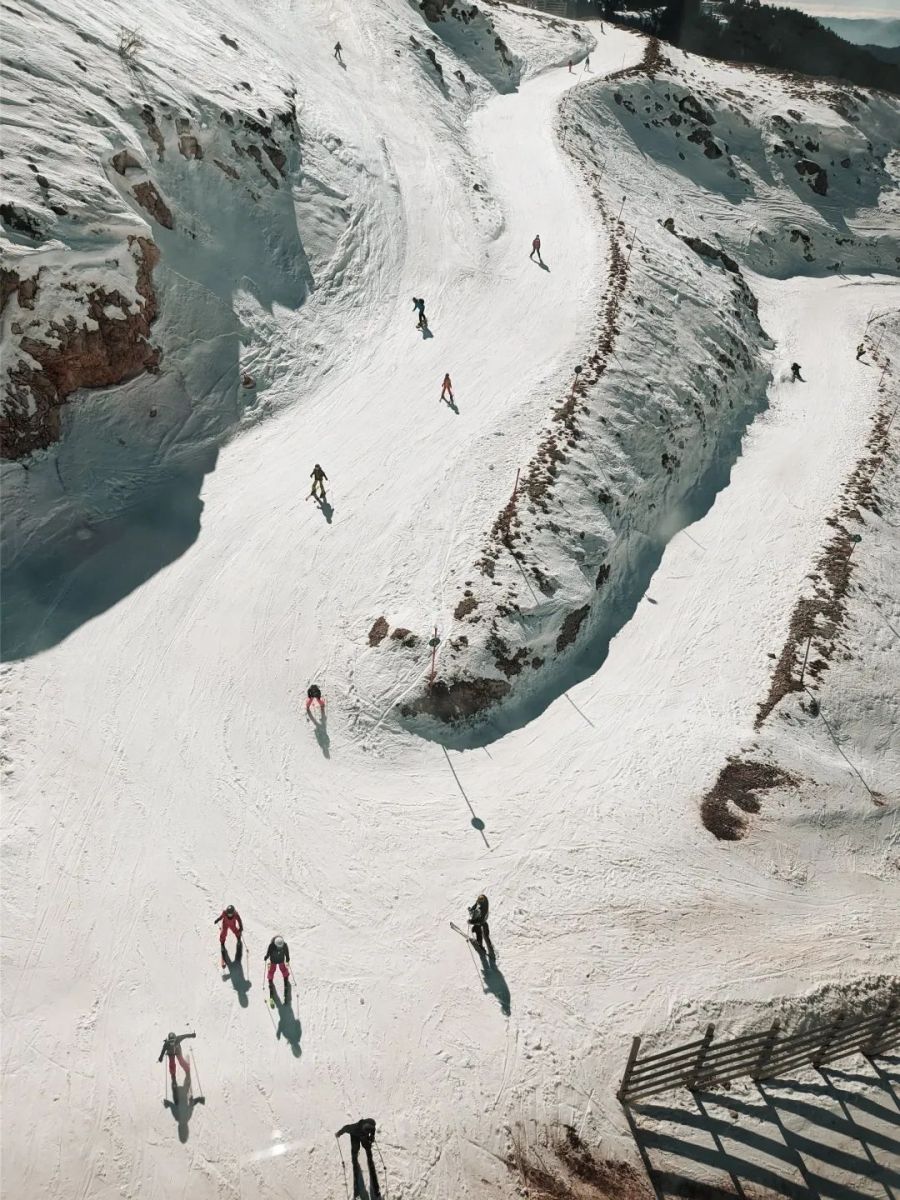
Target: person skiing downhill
x,y
313,693
419,307
231,922
447,389
478,914
317,475
536,248
278,955
337,52
795,373
172,1047
570,66
362,1133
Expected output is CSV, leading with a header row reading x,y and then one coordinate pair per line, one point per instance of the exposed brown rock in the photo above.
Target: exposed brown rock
x,y
149,119
462,698
406,636
12,284
739,783
77,357
124,161
229,170
149,199
570,627
378,632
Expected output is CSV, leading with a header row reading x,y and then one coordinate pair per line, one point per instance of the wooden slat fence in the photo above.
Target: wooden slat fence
x,y
763,1055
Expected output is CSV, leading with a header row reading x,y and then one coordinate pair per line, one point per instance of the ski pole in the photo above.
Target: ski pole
x,y
343,1167
384,1190
195,1071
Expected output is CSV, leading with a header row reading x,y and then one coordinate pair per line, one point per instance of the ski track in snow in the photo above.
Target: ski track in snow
x,y
164,766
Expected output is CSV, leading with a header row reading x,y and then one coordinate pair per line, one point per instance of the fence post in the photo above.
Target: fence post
x,y
873,1046
701,1055
830,1035
629,1067
766,1052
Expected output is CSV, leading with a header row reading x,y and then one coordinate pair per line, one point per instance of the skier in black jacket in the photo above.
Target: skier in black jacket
x,y
172,1047
362,1133
278,955
478,914
318,476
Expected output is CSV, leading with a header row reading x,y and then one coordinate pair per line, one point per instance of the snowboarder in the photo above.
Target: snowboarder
x,y
536,248
172,1047
570,66
231,921
337,52
278,955
313,693
478,914
795,373
317,475
447,389
362,1133
860,350
419,307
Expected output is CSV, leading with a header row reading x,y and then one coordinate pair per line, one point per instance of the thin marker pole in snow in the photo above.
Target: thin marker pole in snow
x,y
619,217
434,643
631,247
805,657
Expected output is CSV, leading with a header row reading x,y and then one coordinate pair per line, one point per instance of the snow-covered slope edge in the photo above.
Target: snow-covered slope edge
x,y
646,433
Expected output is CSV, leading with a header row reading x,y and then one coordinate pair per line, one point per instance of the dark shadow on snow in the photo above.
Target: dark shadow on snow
x,y
798,1149
324,508
234,971
495,982
321,731
54,585
289,1028
426,333
182,1108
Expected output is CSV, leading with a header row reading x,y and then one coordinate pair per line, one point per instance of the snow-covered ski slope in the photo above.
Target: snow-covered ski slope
x,y
170,599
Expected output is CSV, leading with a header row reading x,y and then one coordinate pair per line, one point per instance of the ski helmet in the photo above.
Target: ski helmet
x,y
229,911
172,1037
279,941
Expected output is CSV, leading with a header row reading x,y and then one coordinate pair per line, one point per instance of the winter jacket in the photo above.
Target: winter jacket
x,y
223,916
317,473
478,913
171,1047
313,693
360,1131
276,955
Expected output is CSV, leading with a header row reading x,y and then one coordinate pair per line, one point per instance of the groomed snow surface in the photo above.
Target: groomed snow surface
x,y
158,763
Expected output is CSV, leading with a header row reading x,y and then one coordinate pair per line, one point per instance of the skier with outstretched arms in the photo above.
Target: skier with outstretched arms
x,y
362,1134
172,1047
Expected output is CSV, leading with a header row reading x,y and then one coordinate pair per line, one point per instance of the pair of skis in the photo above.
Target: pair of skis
x,y
472,942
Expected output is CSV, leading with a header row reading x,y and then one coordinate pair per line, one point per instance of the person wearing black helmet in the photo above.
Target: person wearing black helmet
x,y
362,1133
172,1047
231,921
478,914
278,955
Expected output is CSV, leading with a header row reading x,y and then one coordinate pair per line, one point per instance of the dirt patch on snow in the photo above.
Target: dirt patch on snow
x,y
566,1169
737,788
378,632
458,700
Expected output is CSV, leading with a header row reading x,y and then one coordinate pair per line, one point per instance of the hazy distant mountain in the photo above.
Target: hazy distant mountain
x,y
861,32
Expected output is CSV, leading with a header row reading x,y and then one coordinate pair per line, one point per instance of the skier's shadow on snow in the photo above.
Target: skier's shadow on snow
x,y
324,508
289,1026
544,267
495,982
426,333
182,1109
321,732
451,404
235,972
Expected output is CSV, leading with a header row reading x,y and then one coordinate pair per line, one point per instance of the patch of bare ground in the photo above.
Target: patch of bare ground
x,y
566,1169
816,622
736,792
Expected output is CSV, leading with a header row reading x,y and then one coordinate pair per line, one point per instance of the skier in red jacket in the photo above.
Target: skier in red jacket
x,y
231,921
536,248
